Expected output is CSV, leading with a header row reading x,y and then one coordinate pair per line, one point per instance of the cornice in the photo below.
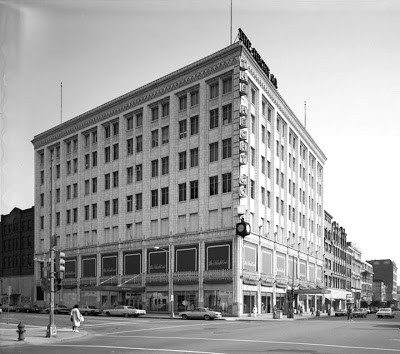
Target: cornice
x,y
280,103
185,76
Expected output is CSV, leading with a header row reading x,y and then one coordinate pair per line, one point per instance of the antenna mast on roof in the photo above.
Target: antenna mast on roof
x,y
61,101
231,21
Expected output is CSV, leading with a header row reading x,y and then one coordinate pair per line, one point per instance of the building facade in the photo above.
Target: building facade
x,y
367,275
337,264
148,188
16,257
385,270
356,268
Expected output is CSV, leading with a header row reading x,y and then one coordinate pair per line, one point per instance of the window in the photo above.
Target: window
x,y
42,177
58,171
129,121
58,218
269,117
139,143
226,148
164,196
94,137
107,154
182,103
214,88
194,189
115,151
139,172
75,214
58,195
94,185
268,199
253,124
129,147
165,109
154,168
182,160
262,164
182,129
68,192
75,142
194,98
226,114
263,133
115,179
226,182
94,211
252,189
165,165
194,157
154,198
214,185
214,152
107,132
165,135
42,199
154,114
182,192
268,169
253,96
115,128
107,181
282,179
68,145
269,139
94,158
263,195
87,187
129,175
139,119
115,206
154,138
263,105
139,201
277,148
68,216
194,125
75,190
227,85
86,212
214,118
75,165
253,156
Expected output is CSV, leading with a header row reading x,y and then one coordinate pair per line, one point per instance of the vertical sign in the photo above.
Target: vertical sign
x,y
243,135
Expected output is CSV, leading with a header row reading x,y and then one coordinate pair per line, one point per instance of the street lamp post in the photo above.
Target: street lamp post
x,y
170,277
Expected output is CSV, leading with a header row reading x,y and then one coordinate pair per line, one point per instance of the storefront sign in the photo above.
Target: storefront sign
x,y
109,265
218,257
70,268
88,267
266,261
264,67
133,263
249,258
158,262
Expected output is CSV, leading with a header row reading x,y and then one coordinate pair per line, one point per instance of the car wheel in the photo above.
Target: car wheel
x,y
86,313
185,317
126,315
108,314
56,312
207,317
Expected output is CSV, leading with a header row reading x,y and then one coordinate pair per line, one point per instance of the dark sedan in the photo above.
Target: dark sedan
x,y
29,308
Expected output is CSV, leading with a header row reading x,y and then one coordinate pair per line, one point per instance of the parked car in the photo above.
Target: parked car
x,y
340,312
89,310
360,313
200,313
28,308
60,309
10,308
122,310
385,312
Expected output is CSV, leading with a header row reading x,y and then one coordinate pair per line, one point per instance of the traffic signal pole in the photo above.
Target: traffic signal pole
x,y
51,328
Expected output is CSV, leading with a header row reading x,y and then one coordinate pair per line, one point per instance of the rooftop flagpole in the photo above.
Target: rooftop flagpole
x,y
231,21
61,101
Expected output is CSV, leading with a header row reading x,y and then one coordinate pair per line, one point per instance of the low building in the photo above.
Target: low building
x,y
367,294
17,283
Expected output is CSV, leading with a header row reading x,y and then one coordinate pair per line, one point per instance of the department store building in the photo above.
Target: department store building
x,y
148,188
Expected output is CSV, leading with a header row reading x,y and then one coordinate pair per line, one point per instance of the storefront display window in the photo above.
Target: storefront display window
x,y
219,300
186,300
157,301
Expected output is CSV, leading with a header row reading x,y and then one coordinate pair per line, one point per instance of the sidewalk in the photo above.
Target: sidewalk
x,y
35,335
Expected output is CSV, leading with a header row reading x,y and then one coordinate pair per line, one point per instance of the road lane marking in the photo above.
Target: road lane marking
x,y
264,342
134,348
152,329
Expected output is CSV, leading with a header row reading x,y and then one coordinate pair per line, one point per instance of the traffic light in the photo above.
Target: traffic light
x,y
60,264
58,284
243,228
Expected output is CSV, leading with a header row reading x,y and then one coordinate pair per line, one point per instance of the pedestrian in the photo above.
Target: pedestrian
x,y
312,311
349,313
76,318
301,310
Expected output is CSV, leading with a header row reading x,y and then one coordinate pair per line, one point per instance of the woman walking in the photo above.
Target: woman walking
x,y
76,318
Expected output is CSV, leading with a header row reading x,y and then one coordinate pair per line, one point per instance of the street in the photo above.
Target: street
x,y
121,335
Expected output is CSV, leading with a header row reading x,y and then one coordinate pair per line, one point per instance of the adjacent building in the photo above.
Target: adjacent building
x,y
143,194
385,270
16,257
367,295
354,253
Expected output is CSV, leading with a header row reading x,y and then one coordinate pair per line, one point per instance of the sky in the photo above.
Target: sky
x,y
341,57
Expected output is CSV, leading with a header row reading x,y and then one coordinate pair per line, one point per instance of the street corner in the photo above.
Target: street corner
x,y
63,334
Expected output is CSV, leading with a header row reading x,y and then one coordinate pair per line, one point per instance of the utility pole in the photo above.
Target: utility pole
x,y
51,328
